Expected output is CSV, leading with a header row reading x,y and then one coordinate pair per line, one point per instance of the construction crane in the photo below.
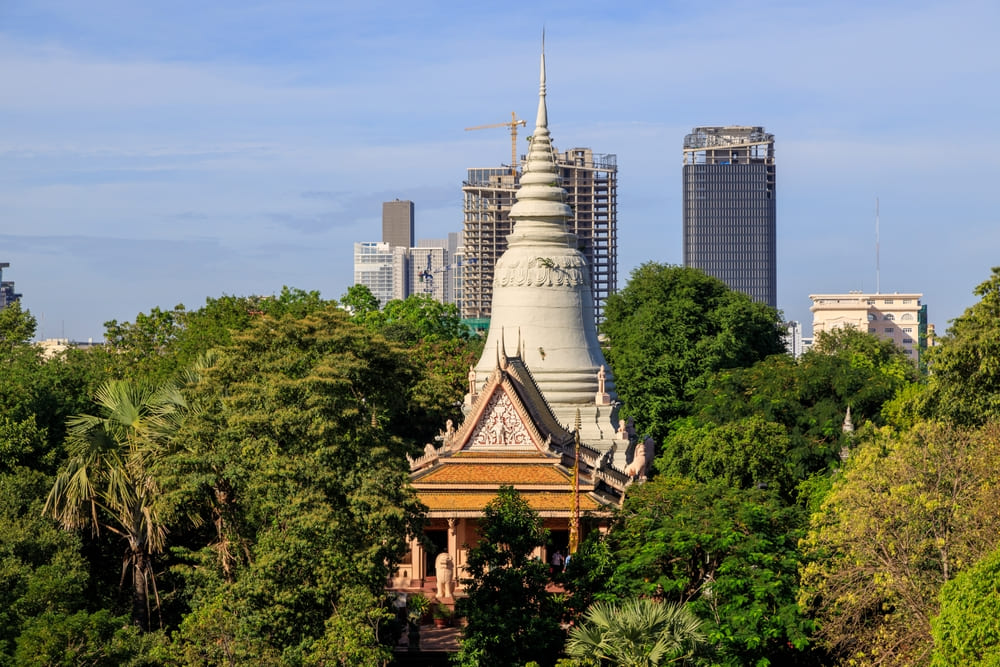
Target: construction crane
x,y
512,124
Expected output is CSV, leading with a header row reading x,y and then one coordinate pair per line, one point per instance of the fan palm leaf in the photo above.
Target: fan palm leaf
x,y
637,633
108,481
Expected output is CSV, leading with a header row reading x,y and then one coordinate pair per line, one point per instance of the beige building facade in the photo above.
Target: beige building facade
x,y
900,318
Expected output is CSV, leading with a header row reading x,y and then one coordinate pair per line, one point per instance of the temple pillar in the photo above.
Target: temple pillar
x,y
453,548
417,560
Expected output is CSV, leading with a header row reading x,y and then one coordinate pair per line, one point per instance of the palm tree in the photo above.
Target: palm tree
x,y
108,481
637,633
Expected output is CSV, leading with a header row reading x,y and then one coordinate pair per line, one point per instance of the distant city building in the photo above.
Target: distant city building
x,y
793,339
7,293
729,208
397,223
51,347
433,267
900,318
430,270
383,269
591,184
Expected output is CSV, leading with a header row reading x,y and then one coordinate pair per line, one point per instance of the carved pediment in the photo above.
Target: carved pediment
x,y
501,426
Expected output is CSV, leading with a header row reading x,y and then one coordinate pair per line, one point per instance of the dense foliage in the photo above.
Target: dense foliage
x,y
967,630
912,509
243,466
669,329
638,633
512,619
729,553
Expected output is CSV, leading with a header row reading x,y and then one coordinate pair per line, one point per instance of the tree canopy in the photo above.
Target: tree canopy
x,y
967,629
512,619
293,455
965,371
669,329
781,420
730,553
911,510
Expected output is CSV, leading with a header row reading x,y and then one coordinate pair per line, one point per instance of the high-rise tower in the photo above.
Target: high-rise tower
x,y
729,208
591,183
397,223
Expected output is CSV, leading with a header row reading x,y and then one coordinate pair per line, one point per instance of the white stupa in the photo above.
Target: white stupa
x,y
542,304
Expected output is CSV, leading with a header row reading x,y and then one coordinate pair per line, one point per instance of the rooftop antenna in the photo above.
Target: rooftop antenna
x,y
878,270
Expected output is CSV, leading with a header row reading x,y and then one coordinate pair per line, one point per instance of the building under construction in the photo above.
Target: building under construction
x,y
7,293
729,208
591,183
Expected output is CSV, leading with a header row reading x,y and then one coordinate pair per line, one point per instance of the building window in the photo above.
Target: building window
x,y
888,302
873,330
907,351
907,301
906,316
871,316
889,329
890,316
907,329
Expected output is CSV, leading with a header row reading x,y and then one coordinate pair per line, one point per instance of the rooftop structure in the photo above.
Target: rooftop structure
x,y
729,209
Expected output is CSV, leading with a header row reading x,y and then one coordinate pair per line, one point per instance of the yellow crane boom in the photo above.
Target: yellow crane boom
x,y
512,124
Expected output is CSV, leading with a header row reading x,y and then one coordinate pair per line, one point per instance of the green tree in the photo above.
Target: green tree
x,y
965,364
669,329
747,453
292,455
781,421
17,327
161,344
99,639
359,301
637,633
967,630
41,568
911,510
512,619
730,554
420,317
109,481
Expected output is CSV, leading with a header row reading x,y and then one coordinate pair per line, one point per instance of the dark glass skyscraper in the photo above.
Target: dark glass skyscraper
x,y
729,211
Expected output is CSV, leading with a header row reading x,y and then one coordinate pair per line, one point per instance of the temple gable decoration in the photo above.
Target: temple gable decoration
x,y
500,427
509,415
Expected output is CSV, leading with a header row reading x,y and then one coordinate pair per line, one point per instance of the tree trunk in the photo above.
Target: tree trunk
x,y
140,591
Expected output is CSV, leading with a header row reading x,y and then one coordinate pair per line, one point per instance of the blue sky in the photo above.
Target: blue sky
x,y
158,153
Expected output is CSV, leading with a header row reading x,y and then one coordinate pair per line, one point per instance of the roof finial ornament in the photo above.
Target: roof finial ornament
x,y
542,119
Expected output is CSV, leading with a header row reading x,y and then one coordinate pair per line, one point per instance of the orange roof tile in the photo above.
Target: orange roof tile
x,y
483,473
545,501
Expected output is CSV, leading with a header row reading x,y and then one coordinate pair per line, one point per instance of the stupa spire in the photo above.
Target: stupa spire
x,y
542,117
541,211
542,299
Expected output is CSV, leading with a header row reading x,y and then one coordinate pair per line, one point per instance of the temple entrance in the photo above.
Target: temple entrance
x,y
558,541
439,538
